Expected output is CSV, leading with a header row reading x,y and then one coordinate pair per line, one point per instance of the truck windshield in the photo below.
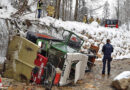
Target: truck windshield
x,y
111,22
72,40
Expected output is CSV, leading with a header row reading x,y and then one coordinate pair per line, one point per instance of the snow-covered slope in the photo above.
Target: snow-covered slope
x,y
93,33
7,9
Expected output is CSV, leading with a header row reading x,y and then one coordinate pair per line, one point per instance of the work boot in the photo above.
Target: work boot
x,y
87,70
108,74
103,74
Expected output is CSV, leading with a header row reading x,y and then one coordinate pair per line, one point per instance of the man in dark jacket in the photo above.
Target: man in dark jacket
x,y
107,50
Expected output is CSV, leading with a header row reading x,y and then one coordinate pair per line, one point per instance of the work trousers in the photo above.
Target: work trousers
x,y
39,13
108,66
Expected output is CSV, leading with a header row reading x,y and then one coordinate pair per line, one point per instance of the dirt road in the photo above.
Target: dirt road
x,y
95,81
92,80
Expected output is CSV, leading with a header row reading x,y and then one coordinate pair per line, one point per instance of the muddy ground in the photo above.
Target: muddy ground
x,y
92,80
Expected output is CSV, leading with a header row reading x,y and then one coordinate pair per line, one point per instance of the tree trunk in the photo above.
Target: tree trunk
x,y
118,11
57,12
76,10
70,9
21,9
66,9
63,10
55,9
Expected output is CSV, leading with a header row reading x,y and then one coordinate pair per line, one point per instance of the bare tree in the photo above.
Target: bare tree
x,y
57,12
127,10
63,10
76,10
70,9
118,9
106,10
22,9
122,12
66,9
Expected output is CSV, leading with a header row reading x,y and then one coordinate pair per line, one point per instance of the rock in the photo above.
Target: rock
x,y
20,87
80,82
121,84
85,47
10,88
99,55
28,23
88,85
129,87
122,81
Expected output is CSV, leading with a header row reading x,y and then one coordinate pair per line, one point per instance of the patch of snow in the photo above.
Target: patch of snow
x,y
2,59
4,38
7,9
95,34
120,38
125,74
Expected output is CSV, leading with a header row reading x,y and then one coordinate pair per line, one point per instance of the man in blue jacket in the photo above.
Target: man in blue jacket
x,y
107,50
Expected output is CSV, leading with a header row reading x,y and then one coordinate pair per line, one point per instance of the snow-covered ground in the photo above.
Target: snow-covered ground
x,y
94,34
125,74
97,35
7,9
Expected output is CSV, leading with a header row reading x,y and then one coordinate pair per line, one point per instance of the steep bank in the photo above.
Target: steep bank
x,y
91,33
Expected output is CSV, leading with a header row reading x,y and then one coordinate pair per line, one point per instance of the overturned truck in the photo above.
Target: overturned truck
x,y
44,59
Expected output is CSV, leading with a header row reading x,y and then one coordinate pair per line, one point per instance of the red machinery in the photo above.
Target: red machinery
x,y
111,23
38,71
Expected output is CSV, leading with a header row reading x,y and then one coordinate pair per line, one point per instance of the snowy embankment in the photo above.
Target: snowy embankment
x,y
7,9
91,33
97,35
125,74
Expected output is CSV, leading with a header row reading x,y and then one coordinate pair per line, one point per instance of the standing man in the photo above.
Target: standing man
x,y
39,7
98,21
85,19
50,10
107,50
91,19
